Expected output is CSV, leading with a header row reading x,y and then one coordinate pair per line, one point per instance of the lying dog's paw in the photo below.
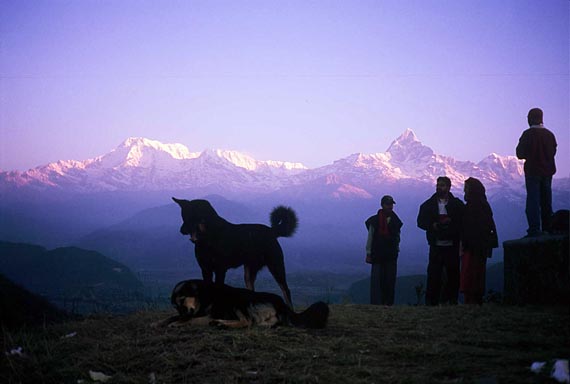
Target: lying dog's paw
x,y
175,324
218,324
160,323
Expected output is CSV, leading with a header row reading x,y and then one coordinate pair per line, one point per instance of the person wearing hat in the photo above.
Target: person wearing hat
x,y
382,248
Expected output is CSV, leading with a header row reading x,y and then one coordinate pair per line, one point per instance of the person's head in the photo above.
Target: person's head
x,y
387,203
443,186
535,116
474,190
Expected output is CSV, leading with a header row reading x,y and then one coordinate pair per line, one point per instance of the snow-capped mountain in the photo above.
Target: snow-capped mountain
x,y
407,159
143,164
140,164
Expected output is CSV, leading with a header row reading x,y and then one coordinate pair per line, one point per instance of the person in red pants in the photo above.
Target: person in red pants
x,y
478,238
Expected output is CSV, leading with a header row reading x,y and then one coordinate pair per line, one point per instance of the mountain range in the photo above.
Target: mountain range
x,y
119,204
140,164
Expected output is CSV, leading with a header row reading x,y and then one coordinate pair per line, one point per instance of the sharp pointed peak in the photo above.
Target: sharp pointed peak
x,y
407,136
407,147
406,139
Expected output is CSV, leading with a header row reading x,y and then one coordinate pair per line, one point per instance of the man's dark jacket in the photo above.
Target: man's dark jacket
x,y
385,248
429,214
538,147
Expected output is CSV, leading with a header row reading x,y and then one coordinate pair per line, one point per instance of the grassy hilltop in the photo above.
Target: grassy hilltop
x,y
362,344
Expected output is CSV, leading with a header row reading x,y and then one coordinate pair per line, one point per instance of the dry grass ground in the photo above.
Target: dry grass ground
x,y
362,344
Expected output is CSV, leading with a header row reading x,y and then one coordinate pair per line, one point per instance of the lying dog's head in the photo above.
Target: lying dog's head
x,y
196,216
189,297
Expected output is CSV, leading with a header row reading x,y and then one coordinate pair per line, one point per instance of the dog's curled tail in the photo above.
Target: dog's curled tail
x,y
315,316
283,221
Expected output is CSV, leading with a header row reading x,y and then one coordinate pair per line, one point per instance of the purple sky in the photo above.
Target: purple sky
x,y
303,81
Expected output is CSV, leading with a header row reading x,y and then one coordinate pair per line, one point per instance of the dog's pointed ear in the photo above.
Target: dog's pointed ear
x,y
178,201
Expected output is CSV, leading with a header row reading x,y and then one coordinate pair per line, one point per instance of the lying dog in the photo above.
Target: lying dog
x,y
220,245
201,303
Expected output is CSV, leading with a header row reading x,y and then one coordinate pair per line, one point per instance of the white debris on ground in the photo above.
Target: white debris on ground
x,y
558,369
537,366
69,335
99,376
15,352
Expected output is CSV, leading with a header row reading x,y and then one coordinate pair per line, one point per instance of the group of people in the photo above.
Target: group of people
x,y
461,236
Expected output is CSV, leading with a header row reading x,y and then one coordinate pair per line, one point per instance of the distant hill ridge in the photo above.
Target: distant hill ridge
x,y
65,272
20,307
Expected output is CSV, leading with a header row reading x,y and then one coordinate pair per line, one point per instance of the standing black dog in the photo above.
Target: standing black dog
x,y
221,245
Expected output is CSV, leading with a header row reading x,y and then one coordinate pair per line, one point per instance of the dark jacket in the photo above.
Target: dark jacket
x,y
385,248
478,230
429,214
537,146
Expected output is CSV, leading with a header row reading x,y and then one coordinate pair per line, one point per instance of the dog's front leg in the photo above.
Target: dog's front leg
x,y
204,261
249,277
166,322
202,320
220,276
207,275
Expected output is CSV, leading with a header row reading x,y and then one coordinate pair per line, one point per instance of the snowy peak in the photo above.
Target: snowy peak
x,y
408,159
407,148
502,168
145,153
502,161
137,145
247,162
407,137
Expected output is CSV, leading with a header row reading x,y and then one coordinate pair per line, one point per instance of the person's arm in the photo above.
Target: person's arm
x,y
522,147
397,222
369,241
424,221
455,224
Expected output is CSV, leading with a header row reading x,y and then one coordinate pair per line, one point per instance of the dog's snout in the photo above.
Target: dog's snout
x,y
191,305
182,310
186,305
184,230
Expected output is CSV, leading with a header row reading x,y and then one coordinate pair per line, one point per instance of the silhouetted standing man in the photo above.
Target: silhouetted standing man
x,y
382,248
537,146
440,216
